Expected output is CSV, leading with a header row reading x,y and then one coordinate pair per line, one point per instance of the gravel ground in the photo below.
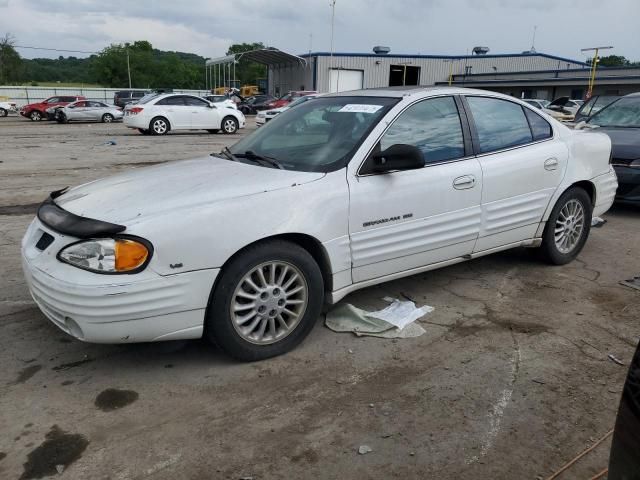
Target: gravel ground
x,y
511,380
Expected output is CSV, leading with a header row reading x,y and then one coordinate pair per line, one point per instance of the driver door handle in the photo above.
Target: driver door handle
x,y
464,182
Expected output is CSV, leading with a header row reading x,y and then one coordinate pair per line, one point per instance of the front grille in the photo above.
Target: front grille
x,y
44,242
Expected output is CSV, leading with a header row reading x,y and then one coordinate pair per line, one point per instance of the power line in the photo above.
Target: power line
x,y
53,49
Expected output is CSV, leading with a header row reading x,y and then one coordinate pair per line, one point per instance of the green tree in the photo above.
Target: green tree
x,y
248,72
10,61
611,61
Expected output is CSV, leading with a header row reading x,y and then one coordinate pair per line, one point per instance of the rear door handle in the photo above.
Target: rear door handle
x,y
464,182
551,163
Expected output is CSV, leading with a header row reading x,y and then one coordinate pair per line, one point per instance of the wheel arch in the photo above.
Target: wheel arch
x,y
309,243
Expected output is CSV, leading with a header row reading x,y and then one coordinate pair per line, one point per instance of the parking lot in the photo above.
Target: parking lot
x,y
512,379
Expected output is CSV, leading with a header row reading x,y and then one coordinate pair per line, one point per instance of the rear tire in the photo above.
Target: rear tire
x,y
107,118
568,227
35,116
159,126
3,112
253,315
230,125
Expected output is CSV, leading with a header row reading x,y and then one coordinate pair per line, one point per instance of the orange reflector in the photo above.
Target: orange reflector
x,y
129,255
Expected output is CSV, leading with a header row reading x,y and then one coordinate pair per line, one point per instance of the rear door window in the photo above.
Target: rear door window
x,y
175,101
540,128
499,123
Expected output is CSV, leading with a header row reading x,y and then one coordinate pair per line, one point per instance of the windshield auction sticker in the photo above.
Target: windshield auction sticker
x,y
357,108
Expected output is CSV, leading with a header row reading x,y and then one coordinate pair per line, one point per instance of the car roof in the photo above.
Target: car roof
x,y
408,91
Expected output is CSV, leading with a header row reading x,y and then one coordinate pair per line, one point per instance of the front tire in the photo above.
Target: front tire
x,y
230,125
35,116
265,302
568,227
159,126
107,118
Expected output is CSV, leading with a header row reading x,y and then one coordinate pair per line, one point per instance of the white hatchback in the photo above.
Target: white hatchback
x,y
159,114
340,193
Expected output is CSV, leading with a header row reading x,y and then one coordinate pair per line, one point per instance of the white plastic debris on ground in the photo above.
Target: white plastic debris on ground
x,y
395,321
597,222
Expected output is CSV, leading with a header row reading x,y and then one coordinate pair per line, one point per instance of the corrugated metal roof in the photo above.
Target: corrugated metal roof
x,y
265,56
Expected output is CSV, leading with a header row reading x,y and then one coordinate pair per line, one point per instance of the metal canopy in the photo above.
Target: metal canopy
x,y
265,56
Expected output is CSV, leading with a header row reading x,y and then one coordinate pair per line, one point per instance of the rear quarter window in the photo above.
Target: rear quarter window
x,y
540,128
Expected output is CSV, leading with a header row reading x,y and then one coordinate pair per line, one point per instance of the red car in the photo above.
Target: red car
x,y
290,97
38,111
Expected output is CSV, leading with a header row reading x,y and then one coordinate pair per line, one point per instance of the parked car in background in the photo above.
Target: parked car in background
x,y
223,99
253,105
624,461
593,106
7,107
536,102
620,120
159,114
38,111
563,108
88,111
266,115
124,97
227,246
288,98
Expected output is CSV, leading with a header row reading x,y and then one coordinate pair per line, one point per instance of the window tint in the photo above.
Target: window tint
x,y
68,99
171,101
433,126
194,102
539,126
52,100
499,123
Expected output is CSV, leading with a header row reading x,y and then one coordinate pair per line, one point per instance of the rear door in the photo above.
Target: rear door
x,y
176,110
522,164
405,220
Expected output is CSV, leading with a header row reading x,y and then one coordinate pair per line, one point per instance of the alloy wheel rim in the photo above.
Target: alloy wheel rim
x,y
269,302
108,118
35,116
159,126
569,226
230,126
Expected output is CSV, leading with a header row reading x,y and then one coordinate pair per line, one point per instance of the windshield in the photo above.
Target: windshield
x,y
624,112
318,136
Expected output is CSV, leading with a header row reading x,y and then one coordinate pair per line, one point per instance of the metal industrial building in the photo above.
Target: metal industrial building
x,y
528,74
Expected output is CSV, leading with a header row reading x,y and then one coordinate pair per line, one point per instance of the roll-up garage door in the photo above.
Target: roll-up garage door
x,y
343,80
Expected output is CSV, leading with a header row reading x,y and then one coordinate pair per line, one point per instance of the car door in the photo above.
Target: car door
x,y
176,110
202,115
405,220
522,164
76,110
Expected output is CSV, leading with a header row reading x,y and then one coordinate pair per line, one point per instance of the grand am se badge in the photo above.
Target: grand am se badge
x,y
387,220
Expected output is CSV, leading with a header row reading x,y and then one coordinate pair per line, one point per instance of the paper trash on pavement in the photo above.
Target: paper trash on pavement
x,y
395,321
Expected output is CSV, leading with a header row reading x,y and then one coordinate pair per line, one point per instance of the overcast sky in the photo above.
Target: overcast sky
x,y
208,27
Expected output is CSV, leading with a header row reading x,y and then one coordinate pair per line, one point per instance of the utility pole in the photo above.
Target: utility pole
x,y
594,68
128,68
333,16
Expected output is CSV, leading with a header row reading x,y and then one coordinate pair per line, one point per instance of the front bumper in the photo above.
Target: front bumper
x,y
629,185
97,308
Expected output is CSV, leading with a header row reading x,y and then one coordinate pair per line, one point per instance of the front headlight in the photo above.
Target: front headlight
x,y
108,255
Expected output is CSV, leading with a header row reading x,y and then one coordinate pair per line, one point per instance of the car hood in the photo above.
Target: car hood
x,y
145,192
625,142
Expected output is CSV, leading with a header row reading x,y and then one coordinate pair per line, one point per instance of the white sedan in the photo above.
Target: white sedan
x,y
347,191
7,107
159,114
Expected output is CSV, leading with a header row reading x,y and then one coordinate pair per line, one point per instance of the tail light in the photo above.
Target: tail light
x,y
135,110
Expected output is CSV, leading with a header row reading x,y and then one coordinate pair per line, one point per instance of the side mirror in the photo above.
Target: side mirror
x,y
397,157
